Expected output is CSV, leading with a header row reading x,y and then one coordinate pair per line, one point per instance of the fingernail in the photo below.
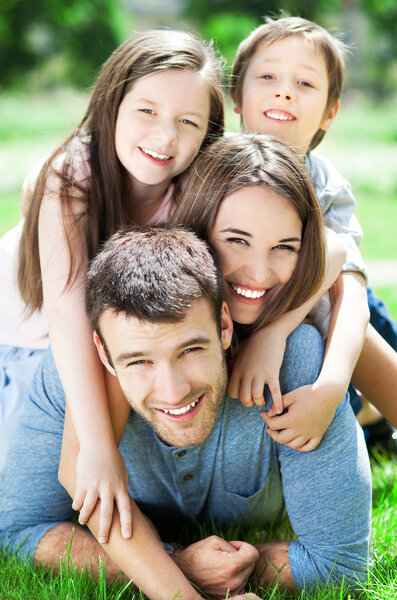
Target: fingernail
x,y
126,534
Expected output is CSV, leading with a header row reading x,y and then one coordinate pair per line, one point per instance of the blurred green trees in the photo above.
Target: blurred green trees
x,y
82,32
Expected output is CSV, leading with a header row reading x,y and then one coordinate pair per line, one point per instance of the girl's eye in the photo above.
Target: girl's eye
x,y
267,76
147,111
189,122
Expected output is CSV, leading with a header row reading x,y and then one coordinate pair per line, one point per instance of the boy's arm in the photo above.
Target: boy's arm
x,y
338,206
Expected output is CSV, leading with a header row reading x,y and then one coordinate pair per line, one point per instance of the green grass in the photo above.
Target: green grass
x,y
363,145
20,581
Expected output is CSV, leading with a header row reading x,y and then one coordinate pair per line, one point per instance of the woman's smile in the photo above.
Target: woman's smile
x,y
257,236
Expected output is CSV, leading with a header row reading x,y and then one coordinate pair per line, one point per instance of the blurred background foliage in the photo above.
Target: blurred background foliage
x,y
65,41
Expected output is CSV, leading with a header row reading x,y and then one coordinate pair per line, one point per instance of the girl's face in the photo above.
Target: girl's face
x,y
257,235
161,124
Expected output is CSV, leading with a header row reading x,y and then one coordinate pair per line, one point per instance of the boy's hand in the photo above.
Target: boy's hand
x,y
102,476
258,363
311,409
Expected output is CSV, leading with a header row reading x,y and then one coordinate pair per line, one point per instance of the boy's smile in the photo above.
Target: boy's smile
x,y
285,92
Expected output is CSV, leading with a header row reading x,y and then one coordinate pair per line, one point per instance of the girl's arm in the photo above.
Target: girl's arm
x,y
100,468
311,408
261,355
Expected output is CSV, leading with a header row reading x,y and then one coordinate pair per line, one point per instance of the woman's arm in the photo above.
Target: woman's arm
x,y
100,469
260,357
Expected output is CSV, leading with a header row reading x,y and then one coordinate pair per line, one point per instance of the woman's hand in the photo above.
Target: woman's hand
x,y
311,409
102,475
258,363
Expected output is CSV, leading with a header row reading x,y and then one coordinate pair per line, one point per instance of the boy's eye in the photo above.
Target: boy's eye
x,y
305,83
135,363
189,122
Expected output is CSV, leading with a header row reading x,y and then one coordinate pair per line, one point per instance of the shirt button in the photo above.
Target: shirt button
x,y
188,477
182,453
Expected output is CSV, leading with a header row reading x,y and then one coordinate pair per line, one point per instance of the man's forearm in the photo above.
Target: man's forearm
x,y
273,565
142,557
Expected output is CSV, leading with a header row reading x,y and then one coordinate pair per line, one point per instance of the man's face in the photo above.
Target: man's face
x,y
173,374
285,92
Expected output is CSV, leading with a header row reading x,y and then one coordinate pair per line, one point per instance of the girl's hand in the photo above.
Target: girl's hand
x,y
311,409
258,363
102,475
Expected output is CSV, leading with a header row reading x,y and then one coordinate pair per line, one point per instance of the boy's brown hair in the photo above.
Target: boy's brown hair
x,y
273,30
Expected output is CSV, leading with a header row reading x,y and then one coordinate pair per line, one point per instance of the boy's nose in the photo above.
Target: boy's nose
x,y
285,95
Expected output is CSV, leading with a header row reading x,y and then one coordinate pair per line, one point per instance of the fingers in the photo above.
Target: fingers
x,y
124,507
90,500
275,391
105,517
78,499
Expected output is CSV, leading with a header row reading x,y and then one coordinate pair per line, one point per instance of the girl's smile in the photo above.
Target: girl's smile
x,y
161,124
257,236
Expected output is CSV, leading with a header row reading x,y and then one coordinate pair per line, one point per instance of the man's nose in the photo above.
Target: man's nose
x,y
172,385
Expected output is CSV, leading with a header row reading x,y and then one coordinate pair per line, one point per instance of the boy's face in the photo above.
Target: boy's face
x,y
285,92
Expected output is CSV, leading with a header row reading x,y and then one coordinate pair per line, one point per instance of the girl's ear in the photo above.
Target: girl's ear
x,y
237,109
226,326
102,354
330,116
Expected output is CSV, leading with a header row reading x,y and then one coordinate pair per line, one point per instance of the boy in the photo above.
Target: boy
x,y
286,81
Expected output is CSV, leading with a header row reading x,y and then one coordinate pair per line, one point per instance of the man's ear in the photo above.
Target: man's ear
x,y
237,109
102,353
330,116
226,326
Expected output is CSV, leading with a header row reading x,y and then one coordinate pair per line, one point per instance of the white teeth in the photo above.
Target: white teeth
x,y
181,411
278,116
156,155
248,293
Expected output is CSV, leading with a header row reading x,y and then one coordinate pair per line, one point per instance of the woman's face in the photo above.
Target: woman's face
x,y
257,235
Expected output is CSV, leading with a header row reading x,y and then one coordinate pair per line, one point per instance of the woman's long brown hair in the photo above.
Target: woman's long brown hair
x,y
104,196
239,161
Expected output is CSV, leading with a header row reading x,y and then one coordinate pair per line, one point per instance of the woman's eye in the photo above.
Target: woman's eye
x,y
236,240
286,247
189,122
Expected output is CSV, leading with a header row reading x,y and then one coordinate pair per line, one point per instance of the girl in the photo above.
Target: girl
x,y
157,101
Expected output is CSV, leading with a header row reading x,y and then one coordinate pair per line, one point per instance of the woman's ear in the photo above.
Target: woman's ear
x,y
330,116
103,354
226,326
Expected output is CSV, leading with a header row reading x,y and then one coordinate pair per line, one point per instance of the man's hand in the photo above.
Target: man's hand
x,y
216,566
102,477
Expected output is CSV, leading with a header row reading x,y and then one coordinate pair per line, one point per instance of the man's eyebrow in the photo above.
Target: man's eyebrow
x,y
238,231
142,354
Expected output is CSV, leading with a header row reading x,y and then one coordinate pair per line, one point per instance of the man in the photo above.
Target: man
x,y
154,298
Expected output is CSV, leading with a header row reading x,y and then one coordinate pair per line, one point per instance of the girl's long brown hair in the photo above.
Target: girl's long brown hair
x,y
239,161
104,196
